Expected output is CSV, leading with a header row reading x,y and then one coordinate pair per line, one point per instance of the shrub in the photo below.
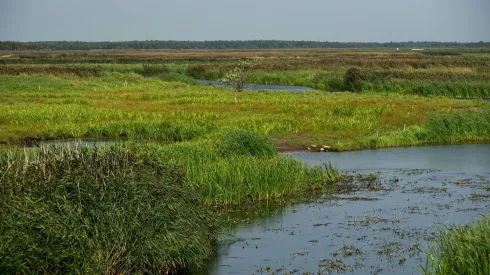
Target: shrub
x,y
238,142
196,71
149,69
353,79
204,72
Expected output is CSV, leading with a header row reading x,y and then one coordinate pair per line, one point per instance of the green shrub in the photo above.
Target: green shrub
x,y
196,71
353,79
238,142
93,211
204,72
151,69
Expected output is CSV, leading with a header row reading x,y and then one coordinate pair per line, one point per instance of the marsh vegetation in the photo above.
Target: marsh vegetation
x,y
188,150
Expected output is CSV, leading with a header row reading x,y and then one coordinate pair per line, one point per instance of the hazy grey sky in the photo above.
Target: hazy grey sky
x,y
320,20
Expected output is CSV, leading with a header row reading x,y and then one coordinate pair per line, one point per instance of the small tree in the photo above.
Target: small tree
x,y
237,77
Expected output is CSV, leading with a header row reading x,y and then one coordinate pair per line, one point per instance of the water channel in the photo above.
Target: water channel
x,y
260,87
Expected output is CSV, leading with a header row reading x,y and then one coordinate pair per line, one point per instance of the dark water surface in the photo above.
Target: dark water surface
x,y
76,143
257,87
423,187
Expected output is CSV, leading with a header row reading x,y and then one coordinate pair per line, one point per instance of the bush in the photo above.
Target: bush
x,y
92,211
152,70
238,142
353,79
196,71
204,72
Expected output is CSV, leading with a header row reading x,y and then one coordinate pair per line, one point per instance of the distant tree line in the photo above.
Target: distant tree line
x,y
224,44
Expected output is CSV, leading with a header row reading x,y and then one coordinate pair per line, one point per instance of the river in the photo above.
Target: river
x,y
383,230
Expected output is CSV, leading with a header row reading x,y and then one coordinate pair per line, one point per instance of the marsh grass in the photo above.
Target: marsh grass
x,y
461,250
170,107
104,211
236,167
469,125
152,109
238,142
80,71
450,73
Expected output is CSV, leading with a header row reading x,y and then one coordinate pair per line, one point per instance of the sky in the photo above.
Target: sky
x,y
318,20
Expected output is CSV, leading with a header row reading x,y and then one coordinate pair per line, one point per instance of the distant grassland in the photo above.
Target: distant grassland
x,y
45,107
103,94
436,72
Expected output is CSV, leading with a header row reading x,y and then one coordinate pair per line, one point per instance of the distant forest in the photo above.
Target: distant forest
x,y
223,45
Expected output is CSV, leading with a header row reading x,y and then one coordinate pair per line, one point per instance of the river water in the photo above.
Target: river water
x,y
258,87
382,230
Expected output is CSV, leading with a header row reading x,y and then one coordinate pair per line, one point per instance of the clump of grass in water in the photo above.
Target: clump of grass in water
x,y
111,211
462,250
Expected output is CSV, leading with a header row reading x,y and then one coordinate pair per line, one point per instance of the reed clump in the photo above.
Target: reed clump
x,y
99,211
239,142
461,250
461,126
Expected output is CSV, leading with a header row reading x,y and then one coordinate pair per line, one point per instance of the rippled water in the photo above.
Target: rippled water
x,y
76,143
366,232
262,86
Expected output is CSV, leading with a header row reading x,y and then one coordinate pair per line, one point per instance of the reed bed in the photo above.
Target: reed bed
x,y
51,70
461,250
104,211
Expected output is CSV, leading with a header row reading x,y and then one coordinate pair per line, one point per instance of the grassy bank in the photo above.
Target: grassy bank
x,y
462,250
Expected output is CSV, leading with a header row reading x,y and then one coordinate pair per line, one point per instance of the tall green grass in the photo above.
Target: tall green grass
x,y
237,166
98,211
461,126
80,71
461,250
452,127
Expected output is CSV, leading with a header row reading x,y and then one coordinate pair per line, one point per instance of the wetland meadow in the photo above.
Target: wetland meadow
x,y
364,161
